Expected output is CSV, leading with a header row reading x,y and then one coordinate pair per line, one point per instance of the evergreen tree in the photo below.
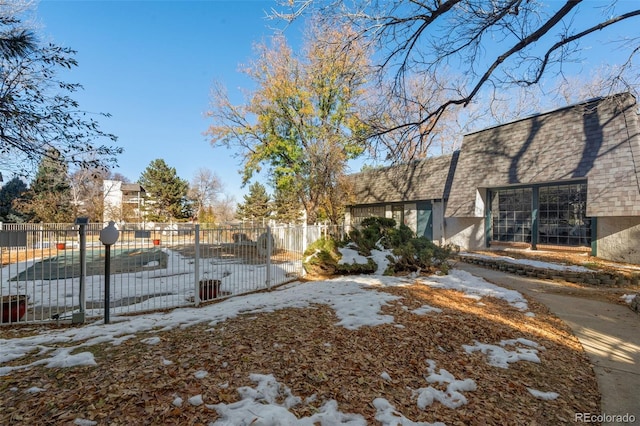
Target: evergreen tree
x,y
256,206
49,198
287,206
166,193
37,111
11,192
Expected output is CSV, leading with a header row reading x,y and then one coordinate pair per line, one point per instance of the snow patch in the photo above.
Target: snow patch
x,y
388,415
196,400
529,262
151,341
547,396
498,356
200,374
84,422
475,287
452,397
259,405
426,309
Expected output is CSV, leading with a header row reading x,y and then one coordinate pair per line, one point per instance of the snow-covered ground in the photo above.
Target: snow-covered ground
x,y
357,303
147,289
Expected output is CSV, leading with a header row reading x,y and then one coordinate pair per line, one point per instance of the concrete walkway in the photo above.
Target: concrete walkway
x,y
609,333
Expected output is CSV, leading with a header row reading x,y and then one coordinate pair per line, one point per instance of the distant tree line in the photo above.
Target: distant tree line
x,y
55,195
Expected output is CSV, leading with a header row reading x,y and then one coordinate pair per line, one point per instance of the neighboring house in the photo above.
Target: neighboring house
x,y
123,201
568,179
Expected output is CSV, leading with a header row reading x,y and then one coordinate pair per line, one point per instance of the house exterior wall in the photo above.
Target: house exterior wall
x,y
597,140
121,198
112,199
619,239
468,233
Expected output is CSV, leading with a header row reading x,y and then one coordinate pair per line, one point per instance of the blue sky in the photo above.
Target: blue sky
x,y
151,65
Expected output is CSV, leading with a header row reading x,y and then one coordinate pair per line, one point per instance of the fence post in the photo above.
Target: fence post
x,y
82,231
269,250
196,263
304,236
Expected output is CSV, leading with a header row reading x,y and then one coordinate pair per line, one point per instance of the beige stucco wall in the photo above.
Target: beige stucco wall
x,y
618,239
465,232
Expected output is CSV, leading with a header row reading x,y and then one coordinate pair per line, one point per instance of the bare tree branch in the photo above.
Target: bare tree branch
x,y
431,38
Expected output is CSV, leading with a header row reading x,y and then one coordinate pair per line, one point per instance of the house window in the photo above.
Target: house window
x,y
511,215
560,220
562,210
360,213
397,213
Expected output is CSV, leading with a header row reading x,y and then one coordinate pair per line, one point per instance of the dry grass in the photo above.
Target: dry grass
x,y
306,351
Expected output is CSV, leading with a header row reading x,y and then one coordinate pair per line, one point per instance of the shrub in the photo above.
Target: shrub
x,y
374,231
421,255
410,253
398,237
357,268
321,257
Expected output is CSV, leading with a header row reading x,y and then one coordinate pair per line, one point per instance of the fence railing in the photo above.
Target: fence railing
x,y
53,272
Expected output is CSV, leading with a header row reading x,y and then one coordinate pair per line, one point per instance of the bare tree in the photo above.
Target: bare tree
x,y
204,189
493,45
88,193
407,143
224,209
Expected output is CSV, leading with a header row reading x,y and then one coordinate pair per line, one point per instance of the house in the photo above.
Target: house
x,y
123,201
568,179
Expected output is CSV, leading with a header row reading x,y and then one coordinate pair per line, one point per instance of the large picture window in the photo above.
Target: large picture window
x,y
561,217
511,214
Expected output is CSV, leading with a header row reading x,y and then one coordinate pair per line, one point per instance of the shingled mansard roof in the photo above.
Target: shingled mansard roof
x,y
419,180
596,140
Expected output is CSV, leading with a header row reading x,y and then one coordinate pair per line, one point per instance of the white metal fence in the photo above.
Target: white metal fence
x,y
54,272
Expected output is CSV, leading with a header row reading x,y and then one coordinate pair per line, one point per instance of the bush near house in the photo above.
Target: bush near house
x,y
407,253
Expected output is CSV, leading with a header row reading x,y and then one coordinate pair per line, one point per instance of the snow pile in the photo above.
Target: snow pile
x,y
498,356
452,397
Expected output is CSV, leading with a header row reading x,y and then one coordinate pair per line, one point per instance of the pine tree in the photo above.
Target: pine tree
x,y
49,197
256,206
287,206
166,193
11,192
